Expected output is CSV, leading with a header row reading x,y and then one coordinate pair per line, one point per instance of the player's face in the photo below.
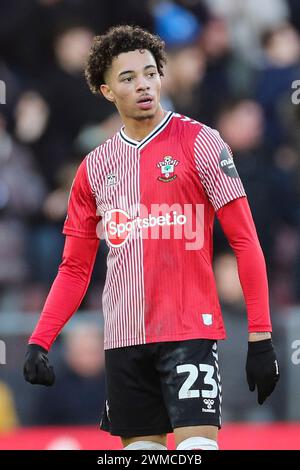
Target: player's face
x,y
133,84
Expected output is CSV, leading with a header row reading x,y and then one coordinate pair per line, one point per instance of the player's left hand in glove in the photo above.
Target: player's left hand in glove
x,y
36,368
262,368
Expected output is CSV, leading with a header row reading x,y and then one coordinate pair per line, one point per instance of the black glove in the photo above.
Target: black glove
x,y
262,368
36,368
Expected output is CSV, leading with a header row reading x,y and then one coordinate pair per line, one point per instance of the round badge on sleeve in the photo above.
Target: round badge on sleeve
x,y
227,164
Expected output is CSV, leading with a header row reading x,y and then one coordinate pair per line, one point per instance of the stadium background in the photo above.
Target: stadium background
x,y
232,65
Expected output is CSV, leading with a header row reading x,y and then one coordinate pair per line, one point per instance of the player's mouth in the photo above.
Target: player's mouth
x,y
145,102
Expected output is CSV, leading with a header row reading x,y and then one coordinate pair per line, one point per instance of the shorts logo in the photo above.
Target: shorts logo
x,y
209,406
167,168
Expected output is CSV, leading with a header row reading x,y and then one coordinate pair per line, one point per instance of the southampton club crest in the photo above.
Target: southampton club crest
x,y
167,168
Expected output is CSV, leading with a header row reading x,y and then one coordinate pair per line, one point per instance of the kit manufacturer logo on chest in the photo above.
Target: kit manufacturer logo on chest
x,y
111,179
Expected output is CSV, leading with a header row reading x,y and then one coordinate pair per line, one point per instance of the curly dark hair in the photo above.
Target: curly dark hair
x,y
118,39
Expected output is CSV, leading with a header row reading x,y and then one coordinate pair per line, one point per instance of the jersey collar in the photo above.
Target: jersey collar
x,y
157,130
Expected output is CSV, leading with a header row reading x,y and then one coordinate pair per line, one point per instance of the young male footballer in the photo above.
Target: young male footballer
x,y
153,190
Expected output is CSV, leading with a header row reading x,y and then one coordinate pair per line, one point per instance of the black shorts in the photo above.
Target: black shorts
x,y
155,388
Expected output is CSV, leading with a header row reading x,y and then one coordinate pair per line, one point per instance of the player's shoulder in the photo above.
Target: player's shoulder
x,y
191,128
186,123
102,151
210,135
186,127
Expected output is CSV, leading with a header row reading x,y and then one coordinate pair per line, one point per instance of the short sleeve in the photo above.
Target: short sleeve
x,y
82,218
216,168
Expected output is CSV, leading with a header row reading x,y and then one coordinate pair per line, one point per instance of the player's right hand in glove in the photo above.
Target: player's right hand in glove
x,y
262,368
36,368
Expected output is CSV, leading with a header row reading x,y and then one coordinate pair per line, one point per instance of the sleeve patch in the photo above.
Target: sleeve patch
x,y
227,164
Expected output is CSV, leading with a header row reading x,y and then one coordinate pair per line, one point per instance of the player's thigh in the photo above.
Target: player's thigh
x,y
191,383
135,405
159,438
209,432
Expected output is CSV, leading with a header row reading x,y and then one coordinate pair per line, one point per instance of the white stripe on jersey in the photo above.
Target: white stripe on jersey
x,y
123,295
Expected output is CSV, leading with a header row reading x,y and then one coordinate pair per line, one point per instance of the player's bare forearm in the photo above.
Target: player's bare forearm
x,y
259,336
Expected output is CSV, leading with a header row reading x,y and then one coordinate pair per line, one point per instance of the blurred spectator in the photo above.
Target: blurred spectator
x,y
22,191
55,205
246,22
31,117
184,71
228,284
285,273
45,243
271,187
8,416
72,106
241,124
226,74
93,135
78,395
171,18
240,404
281,67
282,46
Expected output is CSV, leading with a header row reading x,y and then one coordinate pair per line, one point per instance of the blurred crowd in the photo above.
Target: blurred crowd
x,y
232,64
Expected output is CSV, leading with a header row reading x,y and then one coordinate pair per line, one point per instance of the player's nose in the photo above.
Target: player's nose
x,y
142,83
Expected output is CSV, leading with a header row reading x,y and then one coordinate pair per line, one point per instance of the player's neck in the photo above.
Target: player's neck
x,y
139,129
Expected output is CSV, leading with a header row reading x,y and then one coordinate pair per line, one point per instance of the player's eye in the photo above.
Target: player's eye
x,y
127,79
152,74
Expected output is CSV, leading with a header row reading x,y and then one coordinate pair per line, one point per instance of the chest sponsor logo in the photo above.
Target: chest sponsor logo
x,y
167,169
118,225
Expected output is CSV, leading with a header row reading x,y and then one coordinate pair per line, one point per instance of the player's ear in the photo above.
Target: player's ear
x,y
107,93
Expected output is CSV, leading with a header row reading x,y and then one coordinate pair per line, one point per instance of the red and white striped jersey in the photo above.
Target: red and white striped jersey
x,y
154,202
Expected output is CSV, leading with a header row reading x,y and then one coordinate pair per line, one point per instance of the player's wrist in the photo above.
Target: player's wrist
x,y
260,347
259,336
33,347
